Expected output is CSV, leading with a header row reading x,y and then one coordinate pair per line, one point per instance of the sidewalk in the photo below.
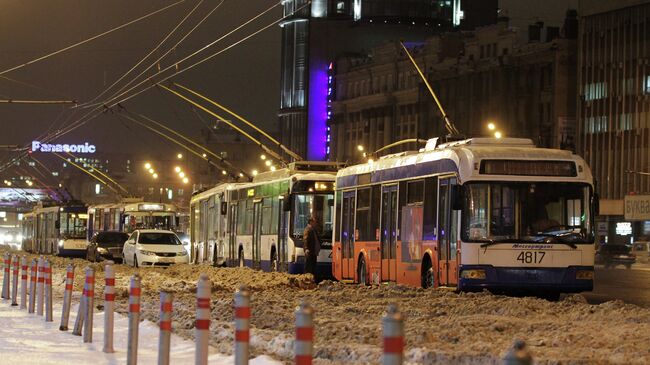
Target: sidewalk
x,y
28,339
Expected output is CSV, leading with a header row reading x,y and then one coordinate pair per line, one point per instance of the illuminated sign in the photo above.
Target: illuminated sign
x,y
623,228
528,168
250,192
637,207
330,96
150,207
73,148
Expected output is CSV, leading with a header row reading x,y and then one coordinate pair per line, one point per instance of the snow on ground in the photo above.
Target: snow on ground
x,y
442,327
28,339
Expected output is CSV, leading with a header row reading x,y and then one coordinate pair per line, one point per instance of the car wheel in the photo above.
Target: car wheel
x,y
135,261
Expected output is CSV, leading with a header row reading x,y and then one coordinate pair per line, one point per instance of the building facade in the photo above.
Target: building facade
x,y
525,88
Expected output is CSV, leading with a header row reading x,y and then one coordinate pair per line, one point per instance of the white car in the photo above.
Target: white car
x,y
148,247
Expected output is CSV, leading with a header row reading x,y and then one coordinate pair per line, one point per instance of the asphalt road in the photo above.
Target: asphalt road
x,y
629,285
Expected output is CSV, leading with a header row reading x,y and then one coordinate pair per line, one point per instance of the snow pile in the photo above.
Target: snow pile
x,y
442,327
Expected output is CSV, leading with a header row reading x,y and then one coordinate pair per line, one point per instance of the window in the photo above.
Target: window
x,y
430,209
362,227
415,190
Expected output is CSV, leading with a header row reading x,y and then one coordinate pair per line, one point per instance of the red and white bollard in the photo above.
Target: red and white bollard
x,y
32,287
393,331
40,287
202,324
242,325
81,312
134,321
14,288
67,297
109,306
90,304
304,344
165,327
23,282
5,279
47,269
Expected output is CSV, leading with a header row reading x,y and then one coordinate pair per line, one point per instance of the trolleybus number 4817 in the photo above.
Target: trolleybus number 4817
x,y
531,257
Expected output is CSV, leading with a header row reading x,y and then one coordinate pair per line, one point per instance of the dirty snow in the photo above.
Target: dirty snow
x,y
442,327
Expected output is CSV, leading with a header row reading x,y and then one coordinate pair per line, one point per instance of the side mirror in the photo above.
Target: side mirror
x,y
224,208
57,224
457,197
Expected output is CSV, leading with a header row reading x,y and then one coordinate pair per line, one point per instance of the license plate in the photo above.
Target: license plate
x,y
165,259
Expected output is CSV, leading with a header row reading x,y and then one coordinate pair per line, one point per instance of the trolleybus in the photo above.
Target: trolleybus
x,y
59,229
260,224
129,215
482,213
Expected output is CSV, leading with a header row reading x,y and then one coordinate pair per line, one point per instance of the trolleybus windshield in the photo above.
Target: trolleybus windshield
x,y
133,222
527,212
73,225
319,206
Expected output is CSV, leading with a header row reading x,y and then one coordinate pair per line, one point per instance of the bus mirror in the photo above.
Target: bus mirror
x,y
457,197
286,204
224,208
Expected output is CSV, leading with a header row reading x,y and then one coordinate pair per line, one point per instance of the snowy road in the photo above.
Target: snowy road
x,y
629,285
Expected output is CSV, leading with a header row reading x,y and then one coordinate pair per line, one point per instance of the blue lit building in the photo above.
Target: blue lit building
x,y
315,34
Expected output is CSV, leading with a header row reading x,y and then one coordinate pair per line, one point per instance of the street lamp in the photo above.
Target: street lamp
x,y
491,126
263,157
155,176
223,172
181,174
268,162
186,180
147,166
177,169
360,148
254,172
151,171
497,135
204,155
179,156
272,168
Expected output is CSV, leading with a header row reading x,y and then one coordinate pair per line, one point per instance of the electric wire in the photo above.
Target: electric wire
x,y
87,172
88,39
104,175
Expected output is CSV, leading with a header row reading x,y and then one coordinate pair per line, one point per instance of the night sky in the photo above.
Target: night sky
x,y
245,78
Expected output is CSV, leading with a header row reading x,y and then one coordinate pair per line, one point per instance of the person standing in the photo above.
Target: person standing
x,y
311,246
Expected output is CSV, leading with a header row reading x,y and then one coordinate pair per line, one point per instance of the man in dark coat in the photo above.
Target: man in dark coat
x,y
311,246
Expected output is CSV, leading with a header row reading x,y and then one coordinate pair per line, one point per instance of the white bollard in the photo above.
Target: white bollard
x,y
90,304
67,297
242,325
81,312
202,325
5,279
47,269
109,306
40,287
393,332
304,343
165,327
134,321
32,287
14,288
23,282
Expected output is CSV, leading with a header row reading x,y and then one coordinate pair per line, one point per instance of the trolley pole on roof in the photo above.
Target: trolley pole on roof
x,y
451,128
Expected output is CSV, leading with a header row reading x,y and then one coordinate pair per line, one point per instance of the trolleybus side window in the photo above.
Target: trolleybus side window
x,y
430,209
362,225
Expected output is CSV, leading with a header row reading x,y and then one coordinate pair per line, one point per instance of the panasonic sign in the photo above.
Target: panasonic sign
x,y
74,148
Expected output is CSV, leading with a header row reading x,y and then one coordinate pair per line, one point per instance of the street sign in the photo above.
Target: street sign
x,y
637,207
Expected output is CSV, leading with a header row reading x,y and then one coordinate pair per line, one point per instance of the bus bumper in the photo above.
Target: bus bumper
x,y
572,279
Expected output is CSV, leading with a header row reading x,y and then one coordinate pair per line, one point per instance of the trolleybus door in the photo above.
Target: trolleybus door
x,y
232,238
347,235
257,234
283,233
389,233
448,233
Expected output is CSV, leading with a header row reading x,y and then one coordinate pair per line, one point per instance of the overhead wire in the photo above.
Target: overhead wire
x,y
87,172
38,59
103,175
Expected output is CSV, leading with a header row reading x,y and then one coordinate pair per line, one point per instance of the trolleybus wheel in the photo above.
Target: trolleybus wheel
x,y
362,273
428,275
274,261
241,258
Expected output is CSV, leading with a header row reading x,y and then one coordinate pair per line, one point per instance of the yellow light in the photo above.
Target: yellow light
x,y
268,162
30,183
147,166
204,155
263,157
497,135
8,183
177,169
179,156
186,180
491,126
181,174
254,172
223,172
370,160
151,171
272,168
155,176
360,147
250,192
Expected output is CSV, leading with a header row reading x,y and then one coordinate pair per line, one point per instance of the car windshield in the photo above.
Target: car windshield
x,y
111,238
527,212
159,239
319,206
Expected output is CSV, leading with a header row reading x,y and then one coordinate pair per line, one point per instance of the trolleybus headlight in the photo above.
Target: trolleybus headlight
x,y
61,243
585,275
102,250
473,274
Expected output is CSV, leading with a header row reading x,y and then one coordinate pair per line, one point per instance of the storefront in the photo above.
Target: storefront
x,y
624,222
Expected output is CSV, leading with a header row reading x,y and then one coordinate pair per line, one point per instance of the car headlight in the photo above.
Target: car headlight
x,y
585,275
60,243
473,274
147,253
102,250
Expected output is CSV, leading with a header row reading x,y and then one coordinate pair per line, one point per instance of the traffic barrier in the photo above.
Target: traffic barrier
x,y
32,286
23,282
5,279
81,312
165,327
90,304
393,332
242,325
518,355
40,287
67,297
304,344
109,306
14,290
47,269
202,325
134,320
